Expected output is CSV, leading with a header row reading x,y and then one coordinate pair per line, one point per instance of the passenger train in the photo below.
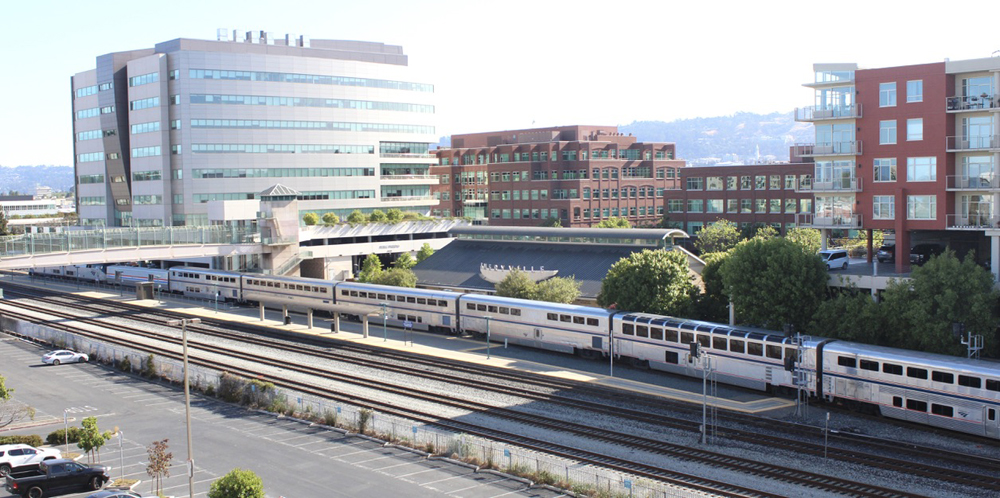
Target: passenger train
x,y
943,391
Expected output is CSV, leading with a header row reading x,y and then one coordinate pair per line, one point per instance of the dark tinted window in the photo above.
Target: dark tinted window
x,y
892,368
552,316
719,343
897,401
687,337
656,333
704,340
944,377
670,357
737,346
565,318
755,348
916,373
943,410
671,335
912,404
590,321
869,365
628,329
965,380
992,385
641,331
847,361
774,352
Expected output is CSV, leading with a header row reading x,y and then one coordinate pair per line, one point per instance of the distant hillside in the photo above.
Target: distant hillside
x,y
24,179
726,138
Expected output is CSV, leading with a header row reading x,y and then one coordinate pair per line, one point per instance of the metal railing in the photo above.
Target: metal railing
x,y
828,149
408,155
980,182
838,185
972,143
292,263
971,221
115,238
816,112
981,102
836,221
410,177
404,198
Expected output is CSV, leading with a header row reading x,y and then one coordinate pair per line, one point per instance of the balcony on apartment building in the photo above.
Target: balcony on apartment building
x,y
975,142
820,113
419,179
846,185
810,220
982,102
828,149
972,221
985,181
410,198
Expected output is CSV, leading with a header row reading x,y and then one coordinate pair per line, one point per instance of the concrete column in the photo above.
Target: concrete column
x,y
309,318
364,326
870,237
284,311
336,322
824,235
995,257
261,306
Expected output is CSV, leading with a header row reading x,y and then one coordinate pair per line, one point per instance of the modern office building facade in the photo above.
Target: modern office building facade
x,y
910,149
160,132
578,175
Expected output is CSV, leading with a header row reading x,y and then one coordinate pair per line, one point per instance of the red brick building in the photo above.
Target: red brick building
x,y
578,175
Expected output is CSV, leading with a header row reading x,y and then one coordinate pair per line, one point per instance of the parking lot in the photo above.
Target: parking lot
x,y
294,459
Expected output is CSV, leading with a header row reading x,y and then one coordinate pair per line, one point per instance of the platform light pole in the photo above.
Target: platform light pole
x,y
385,314
121,453
488,318
66,427
183,322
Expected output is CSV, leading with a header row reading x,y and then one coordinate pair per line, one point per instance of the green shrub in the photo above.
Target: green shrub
x,y
125,365
58,437
364,416
32,440
330,418
231,387
149,369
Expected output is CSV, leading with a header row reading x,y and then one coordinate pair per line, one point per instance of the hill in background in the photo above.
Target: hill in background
x,y
24,179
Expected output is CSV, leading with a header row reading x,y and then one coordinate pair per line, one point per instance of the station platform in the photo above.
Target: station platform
x,y
466,349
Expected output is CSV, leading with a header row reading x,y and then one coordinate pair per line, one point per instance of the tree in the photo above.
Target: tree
x,y
238,483
651,281
766,232
614,222
425,252
558,290
92,439
808,238
720,236
394,215
310,219
405,261
158,464
773,282
3,224
516,284
356,217
852,315
399,277
370,269
12,411
377,216
551,223
750,230
713,303
331,219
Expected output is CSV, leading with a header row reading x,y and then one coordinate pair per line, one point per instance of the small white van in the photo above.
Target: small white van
x,y
834,258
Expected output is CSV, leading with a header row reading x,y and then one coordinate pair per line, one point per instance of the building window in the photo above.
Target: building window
x,y
760,182
921,207
805,205
884,207
885,169
745,206
675,205
775,182
696,206
714,183
731,183
887,132
887,94
714,206
744,183
732,206
790,205
921,169
775,206
789,182
915,91
760,206
914,129
695,183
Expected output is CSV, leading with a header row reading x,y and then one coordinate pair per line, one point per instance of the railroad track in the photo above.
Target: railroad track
x,y
634,442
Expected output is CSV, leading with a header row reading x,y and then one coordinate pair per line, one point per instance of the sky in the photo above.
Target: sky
x,y
500,65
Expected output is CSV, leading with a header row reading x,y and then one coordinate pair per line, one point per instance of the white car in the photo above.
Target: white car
x,y
19,457
64,356
834,258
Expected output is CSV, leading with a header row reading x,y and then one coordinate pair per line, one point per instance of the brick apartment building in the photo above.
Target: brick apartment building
x,y
910,149
576,174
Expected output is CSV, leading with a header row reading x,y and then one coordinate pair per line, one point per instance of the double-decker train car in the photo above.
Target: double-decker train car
x,y
297,293
90,273
205,283
943,391
132,275
424,309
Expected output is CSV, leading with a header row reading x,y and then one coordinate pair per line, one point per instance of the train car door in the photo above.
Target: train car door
x,y
991,420
539,338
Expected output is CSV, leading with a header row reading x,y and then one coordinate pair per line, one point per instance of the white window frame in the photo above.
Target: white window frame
x,y
916,164
911,205
887,94
915,96
891,165
911,132
883,201
883,127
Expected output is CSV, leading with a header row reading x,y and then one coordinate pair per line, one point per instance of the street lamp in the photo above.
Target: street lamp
x,y
66,428
121,453
488,318
183,322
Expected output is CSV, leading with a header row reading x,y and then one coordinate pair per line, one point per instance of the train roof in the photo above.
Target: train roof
x,y
437,294
511,301
690,325
289,280
930,360
207,271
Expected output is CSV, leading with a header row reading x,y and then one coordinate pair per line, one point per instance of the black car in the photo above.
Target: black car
x,y
886,253
921,253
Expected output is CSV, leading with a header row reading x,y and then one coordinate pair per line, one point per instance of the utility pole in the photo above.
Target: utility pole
x,y
183,322
488,318
384,316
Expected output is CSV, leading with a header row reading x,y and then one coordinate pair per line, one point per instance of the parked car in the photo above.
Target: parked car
x,y
64,356
58,476
921,253
21,457
115,493
886,253
834,258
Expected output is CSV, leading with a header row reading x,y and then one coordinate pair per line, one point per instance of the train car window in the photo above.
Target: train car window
x,y
322,290
579,320
421,300
381,296
470,306
515,312
992,385
390,297
943,410
737,346
965,380
411,299
552,316
670,357
443,304
354,293
704,340
565,318
345,292
401,317
944,377
755,348
892,368
687,337
791,353
916,373
915,405
481,307
432,302
593,322
628,329
774,352
671,335
492,309
504,310
847,361
641,331
419,320
897,401
656,333
720,343
298,287
869,365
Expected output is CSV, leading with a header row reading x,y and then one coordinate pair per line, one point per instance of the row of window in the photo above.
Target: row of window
x,y
145,176
280,172
303,196
283,148
97,178
741,206
141,200
311,125
269,100
144,79
918,373
921,406
85,91
887,131
317,79
758,182
136,105
145,127
918,207
96,111
707,341
887,92
89,135
441,303
566,155
146,151
489,308
92,201
90,157
578,320
283,285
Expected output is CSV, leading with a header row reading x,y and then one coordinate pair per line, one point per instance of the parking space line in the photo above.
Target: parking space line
x,y
443,480
481,484
414,462
375,459
418,472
